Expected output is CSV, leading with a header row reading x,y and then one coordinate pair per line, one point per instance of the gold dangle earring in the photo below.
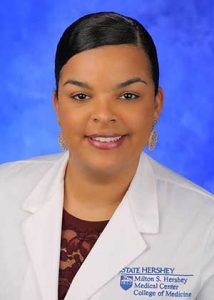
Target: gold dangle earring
x,y
61,141
153,137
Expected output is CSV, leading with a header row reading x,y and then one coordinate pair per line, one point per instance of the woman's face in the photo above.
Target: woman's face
x,y
106,106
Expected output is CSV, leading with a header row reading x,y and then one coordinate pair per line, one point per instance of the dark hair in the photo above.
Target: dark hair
x,y
100,29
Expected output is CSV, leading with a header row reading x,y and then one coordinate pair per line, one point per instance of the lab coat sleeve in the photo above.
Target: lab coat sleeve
x,y
207,289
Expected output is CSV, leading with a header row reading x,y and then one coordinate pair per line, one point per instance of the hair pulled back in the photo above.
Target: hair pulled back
x,y
102,29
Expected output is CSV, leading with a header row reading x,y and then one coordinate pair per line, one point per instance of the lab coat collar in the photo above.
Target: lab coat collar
x,y
47,185
136,214
144,204
122,240
142,197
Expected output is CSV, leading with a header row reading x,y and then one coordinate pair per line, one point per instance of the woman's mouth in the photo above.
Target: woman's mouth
x,y
106,142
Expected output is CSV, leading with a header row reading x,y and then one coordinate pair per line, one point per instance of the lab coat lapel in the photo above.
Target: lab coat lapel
x,y
122,240
42,229
117,246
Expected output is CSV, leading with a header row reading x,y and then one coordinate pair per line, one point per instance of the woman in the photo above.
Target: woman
x,y
103,221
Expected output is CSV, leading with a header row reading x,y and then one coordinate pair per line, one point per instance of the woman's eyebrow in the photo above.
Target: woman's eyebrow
x,y
120,85
131,81
77,83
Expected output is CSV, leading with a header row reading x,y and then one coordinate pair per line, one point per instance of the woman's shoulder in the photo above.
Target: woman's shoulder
x,y
181,196
35,164
19,178
167,177
24,174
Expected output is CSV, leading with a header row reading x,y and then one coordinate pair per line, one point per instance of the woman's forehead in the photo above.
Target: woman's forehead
x,y
125,61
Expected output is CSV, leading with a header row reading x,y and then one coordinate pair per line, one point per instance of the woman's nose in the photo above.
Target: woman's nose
x,y
103,113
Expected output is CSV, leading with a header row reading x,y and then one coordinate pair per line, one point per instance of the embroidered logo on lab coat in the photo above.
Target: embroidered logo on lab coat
x,y
156,282
126,281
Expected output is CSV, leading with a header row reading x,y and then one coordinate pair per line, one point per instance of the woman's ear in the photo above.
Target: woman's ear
x,y
158,103
56,104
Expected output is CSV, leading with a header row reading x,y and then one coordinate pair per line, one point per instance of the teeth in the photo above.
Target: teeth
x,y
106,139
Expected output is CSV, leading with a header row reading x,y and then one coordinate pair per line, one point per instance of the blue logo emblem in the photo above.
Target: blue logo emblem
x,y
126,281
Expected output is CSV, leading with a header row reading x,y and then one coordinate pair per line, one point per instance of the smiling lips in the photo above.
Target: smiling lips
x,y
106,142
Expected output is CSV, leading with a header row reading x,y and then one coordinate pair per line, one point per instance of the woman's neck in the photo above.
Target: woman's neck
x,y
94,197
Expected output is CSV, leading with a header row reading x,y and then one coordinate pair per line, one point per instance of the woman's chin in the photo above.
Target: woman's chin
x,y
105,167
98,166
108,164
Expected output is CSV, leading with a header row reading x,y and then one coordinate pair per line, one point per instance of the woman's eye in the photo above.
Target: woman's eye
x,y
129,96
80,97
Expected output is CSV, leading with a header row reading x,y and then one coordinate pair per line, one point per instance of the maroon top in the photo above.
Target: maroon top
x,y
78,238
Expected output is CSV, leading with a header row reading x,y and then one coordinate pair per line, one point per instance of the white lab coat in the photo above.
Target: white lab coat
x,y
159,244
